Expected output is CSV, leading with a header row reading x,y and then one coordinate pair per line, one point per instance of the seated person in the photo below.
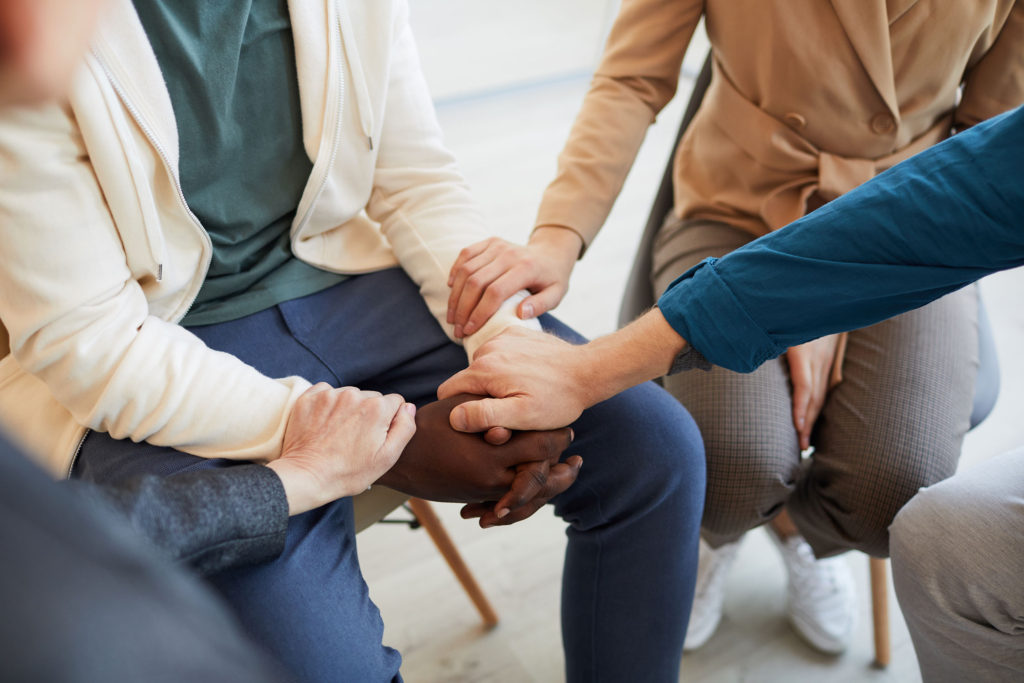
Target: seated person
x,y
210,227
214,519
785,126
956,546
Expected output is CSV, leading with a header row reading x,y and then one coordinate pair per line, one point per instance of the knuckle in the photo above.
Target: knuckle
x,y
485,411
348,395
494,296
539,477
551,445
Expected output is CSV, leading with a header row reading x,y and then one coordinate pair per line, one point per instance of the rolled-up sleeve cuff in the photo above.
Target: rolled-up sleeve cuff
x,y
704,311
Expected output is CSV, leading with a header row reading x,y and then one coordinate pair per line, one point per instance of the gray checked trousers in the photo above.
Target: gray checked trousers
x,y
893,425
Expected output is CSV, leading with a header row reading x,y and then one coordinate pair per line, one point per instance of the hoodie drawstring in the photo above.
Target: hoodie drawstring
x,y
364,108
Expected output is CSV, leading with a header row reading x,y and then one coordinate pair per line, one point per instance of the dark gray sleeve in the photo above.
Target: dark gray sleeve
x,y
213,519
83,599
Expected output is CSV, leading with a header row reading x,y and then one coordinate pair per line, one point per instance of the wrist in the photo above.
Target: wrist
x,y
393,478
643,350
303,490
565,243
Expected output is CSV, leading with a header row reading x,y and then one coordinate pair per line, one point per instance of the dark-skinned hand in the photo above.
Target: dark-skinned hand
x,y
512,479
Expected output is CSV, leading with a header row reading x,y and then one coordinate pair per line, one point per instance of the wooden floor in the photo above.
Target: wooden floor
x,y
507,141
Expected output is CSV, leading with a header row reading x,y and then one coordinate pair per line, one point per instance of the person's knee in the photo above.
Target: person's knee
x,y
642,454
748,484
664,447
916,535
868,501
947,529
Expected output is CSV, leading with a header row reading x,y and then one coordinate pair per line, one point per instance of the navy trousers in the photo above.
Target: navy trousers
x,y
633,514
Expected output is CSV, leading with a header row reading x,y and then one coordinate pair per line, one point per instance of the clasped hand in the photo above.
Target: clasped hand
x,y
501,483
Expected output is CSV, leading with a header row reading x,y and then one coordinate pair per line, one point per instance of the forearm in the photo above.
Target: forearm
x,y
641,351
636,78
213,519
924,228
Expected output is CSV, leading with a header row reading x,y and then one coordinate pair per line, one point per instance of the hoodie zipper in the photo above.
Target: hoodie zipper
x,y
335,27
147,131
78,450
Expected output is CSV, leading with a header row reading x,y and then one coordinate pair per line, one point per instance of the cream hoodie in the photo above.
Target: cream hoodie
x,y
100,256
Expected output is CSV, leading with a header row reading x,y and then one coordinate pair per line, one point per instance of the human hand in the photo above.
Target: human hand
x,y
530,491
339,441
521,475
536,381
810,370
487,273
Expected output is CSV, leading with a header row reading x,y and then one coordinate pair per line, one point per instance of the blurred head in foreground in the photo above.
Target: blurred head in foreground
x,y
41,43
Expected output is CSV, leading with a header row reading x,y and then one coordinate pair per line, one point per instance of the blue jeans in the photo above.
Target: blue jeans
x,y
633,514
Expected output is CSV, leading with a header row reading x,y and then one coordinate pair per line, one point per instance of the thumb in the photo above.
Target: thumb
x,y
497,436
480,415
541,302
402,428
463,382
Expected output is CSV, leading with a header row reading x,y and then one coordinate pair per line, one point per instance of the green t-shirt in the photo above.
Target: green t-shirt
x,y
230,72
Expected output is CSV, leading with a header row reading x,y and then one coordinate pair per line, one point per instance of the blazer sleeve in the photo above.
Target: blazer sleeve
x,y
80,322
213,519
424,207
995,83
853,263
636,78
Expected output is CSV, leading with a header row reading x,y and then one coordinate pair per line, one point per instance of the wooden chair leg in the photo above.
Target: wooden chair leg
x,y
432,523
880,610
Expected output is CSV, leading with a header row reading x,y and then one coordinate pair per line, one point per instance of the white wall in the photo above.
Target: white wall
x,y
474,47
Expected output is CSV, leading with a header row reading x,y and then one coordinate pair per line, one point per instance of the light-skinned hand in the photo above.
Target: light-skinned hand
x,y
487,273
338,442
810,370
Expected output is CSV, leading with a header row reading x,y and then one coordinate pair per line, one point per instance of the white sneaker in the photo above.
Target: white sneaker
x,y
712,567
821,595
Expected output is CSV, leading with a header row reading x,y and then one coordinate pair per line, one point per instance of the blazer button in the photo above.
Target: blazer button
x,y
883,123
795,120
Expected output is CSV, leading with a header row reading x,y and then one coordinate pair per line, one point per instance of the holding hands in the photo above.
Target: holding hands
x,y
338,442
534,381
489,272
521,474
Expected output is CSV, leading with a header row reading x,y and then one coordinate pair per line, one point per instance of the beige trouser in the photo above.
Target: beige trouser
x,y
894,424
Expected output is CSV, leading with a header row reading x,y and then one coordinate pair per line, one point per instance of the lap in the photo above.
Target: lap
x,y
641,450
895,423
897,420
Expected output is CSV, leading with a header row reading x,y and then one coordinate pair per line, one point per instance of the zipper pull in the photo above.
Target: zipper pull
x,y
369,139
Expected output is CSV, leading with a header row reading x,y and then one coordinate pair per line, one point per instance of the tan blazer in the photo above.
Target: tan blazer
x,y
807,96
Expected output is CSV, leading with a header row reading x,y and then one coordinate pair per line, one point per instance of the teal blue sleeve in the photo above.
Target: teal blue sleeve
x,y
922,229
